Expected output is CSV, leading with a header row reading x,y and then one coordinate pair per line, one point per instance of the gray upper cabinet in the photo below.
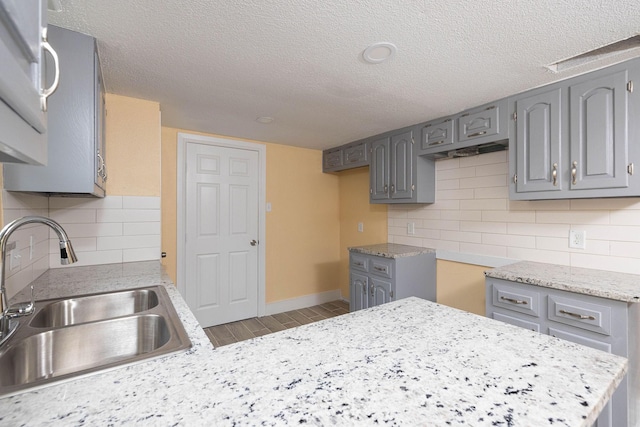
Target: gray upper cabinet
x,y
397,174
76,159
23,116
482,124
538,132
599,138
487,124
572,139
349,156
436,135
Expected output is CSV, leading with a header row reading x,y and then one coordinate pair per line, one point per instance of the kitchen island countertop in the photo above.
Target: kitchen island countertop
x,y
410,362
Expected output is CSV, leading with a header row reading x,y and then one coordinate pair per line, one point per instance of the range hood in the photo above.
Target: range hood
x,y
472,150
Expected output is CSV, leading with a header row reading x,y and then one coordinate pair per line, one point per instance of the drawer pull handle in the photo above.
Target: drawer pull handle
x,y
359,264
577,315
574,173
380,268
514,301
436,142
471,135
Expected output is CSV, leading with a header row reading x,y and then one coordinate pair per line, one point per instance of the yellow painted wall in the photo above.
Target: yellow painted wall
x,y
461,286
355,208
133,146
302,230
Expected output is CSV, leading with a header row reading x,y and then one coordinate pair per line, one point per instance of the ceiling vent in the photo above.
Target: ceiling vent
x,y
612,49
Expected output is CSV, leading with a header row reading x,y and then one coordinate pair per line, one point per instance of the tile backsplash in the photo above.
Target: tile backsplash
x,y
103,231
473,215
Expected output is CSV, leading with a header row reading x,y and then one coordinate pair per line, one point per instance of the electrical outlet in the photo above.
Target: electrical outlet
x,y
577,239
14,259
360,227
411,228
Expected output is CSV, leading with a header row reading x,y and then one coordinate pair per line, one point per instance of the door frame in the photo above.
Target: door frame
x,y
183,140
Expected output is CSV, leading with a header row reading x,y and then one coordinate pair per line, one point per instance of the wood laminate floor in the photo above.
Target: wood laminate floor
x,y
230,333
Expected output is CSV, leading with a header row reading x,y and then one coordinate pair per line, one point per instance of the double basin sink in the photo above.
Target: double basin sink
x,y
72,336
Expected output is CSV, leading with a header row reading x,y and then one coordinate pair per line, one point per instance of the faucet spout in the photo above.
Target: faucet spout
x,y
67,256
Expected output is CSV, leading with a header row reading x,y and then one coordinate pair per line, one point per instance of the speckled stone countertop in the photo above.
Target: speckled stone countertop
x,y
599,283
391,250
409,362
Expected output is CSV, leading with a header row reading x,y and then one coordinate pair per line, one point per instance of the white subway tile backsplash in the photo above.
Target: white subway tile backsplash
x,y
73,216
108,202
89,258
12,200
141,228
92,230
144,254
141,215
472,193
109,215
141,202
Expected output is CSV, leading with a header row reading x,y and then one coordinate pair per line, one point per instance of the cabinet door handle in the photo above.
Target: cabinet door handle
x,y
46,93
393,188
577,315
386,188
513,300
380,268
555,174
436,142
574,173
471,135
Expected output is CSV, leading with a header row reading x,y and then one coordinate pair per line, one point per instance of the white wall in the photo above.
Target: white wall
x,y
103,231
473,215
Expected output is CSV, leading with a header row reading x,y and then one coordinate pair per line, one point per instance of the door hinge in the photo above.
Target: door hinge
x,y
515,178
630,168
515,116
630,85
391,294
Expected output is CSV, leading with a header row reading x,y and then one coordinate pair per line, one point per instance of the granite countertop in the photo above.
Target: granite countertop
x,y
408,362
391,250
599,283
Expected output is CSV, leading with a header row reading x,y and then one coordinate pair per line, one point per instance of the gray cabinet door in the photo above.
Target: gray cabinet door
x,y
436,135
402,166
538,142
599,121
75,127
332,160
479,124
380,292
23,120
356,155
358,292
100,128
379,169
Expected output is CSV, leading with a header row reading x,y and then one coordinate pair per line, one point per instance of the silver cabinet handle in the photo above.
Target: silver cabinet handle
x,y
514,301
359,264
379,268
554,174
577,315
253,242
386,188
574,173
46,93
476,134
393,188
436,142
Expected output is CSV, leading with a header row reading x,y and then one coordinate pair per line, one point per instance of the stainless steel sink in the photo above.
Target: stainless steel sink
x,y
84,309
79,335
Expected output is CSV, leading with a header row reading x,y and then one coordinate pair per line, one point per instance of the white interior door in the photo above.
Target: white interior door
x,y
221,225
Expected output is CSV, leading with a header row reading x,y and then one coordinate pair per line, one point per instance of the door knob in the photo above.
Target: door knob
x,y
253,242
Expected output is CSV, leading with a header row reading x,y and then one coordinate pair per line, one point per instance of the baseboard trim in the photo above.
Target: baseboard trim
x,y
302,302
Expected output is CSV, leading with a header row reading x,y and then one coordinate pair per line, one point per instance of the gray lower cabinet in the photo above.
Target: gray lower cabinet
x,y
76,132
375,280
397,174
600,323
23,116
573,139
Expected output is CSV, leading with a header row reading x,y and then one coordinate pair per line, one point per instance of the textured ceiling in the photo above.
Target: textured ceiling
x,y
217,65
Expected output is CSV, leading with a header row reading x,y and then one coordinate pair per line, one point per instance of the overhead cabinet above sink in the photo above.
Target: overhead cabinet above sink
x,y
76,132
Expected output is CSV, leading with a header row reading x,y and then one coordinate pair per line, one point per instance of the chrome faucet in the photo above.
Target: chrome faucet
x,y
8,324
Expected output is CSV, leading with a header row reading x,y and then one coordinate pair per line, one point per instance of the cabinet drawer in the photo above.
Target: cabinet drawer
x,y
517,322
512,298
581,314
356,155
479,124
359,262
598,345
381,267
